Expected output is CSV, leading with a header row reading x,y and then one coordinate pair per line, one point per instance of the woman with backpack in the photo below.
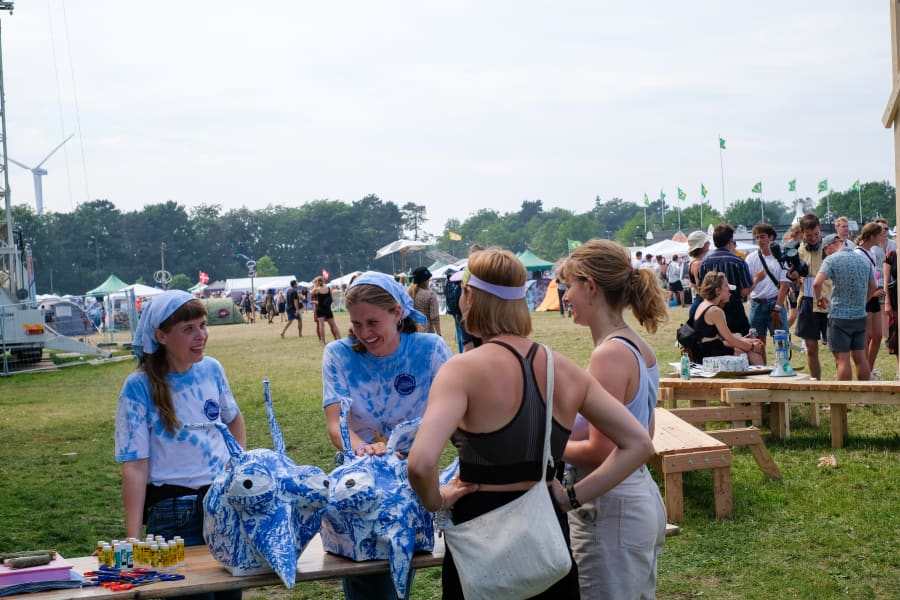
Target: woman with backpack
x,y
715,339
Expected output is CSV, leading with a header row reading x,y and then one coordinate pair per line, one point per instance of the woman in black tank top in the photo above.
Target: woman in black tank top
x,y
495,392
323,314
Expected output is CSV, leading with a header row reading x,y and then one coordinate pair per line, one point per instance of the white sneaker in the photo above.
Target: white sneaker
x,y
875,376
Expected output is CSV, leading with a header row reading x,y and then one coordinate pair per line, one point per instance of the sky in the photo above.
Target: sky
x,y
456,106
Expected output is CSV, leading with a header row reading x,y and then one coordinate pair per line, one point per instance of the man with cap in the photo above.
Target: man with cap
x,y
724,260
852,286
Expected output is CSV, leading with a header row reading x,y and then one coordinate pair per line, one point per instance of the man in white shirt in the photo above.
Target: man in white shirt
x,y
673,274
767,311
637,260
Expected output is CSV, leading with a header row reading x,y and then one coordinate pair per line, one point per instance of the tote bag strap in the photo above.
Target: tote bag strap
x,y
549,403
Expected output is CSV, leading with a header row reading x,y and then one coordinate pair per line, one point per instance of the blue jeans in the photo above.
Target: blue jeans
x,y
761,316
184,516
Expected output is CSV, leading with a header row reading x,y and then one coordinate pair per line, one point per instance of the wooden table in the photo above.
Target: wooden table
x,y
205,574
781,392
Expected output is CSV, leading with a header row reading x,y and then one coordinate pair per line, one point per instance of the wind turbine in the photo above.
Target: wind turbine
x,y
38,172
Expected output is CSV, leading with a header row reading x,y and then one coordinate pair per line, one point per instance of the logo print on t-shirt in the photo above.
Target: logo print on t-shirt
x,y
211,410
405,384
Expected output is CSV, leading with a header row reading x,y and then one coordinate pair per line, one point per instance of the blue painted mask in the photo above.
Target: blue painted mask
x,y
372,511
262,512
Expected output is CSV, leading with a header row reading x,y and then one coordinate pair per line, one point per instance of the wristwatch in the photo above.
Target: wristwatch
x,y
573,500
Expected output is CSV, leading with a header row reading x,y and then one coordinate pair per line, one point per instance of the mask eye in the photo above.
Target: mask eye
x,y
251,481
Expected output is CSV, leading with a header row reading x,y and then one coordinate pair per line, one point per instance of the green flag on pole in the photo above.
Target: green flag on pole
x,y
792,185
681,195
855,187
646,200
662,195
823,186
721,142
703,191
757,189
573,244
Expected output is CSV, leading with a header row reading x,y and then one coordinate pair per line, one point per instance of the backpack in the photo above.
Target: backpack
x,y
687,337
452,292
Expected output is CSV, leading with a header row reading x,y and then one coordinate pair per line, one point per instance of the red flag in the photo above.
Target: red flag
x,y
325,274
204,277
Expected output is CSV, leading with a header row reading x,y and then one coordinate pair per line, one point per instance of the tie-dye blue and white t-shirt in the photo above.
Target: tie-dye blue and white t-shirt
x,y
189,457
385,390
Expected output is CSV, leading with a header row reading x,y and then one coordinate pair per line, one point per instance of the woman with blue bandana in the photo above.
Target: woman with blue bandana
x,y
385,366
167,467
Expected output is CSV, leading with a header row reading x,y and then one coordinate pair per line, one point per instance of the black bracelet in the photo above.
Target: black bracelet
x,y
570,490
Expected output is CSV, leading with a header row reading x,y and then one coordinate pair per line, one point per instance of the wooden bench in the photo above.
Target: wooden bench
x,y
681,447
738,434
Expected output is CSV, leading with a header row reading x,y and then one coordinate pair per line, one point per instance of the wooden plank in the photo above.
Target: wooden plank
x,y
710,414
673,435
697,461
204,574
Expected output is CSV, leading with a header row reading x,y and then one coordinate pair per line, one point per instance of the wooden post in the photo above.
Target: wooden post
x,y
890,113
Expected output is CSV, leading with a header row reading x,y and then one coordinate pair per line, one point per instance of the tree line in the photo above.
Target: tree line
x,y
74,252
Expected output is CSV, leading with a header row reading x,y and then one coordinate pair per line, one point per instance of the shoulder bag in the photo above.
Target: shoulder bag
x,y
517,550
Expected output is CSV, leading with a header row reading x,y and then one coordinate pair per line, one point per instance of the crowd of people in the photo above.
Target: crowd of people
x,y
489,400
762,291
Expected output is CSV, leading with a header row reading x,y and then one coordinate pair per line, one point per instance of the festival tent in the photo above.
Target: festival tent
x,y
666,248
551,298
137,290
235,287
441,272
112,284
340,282
222,311
532,262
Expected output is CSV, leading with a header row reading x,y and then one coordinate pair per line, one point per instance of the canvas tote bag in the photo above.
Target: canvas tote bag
x,y
517,550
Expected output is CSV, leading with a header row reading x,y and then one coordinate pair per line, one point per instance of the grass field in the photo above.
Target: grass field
x,y
818,533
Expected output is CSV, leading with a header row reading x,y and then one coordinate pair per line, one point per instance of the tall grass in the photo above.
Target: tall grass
x,y
818,533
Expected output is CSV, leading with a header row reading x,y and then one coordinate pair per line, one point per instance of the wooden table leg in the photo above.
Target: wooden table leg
x,y
814,414
674,496
722,491
780,420
838,425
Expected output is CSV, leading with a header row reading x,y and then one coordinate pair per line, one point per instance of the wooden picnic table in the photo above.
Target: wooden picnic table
x,y
781,392
203,574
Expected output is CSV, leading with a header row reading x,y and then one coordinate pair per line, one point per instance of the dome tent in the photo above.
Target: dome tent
x,y
111,285
532,262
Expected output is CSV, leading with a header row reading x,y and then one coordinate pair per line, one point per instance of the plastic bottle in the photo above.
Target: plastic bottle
x,y
685,367
128,555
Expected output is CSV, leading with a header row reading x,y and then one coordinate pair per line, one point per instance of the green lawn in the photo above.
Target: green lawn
x,y
818,533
